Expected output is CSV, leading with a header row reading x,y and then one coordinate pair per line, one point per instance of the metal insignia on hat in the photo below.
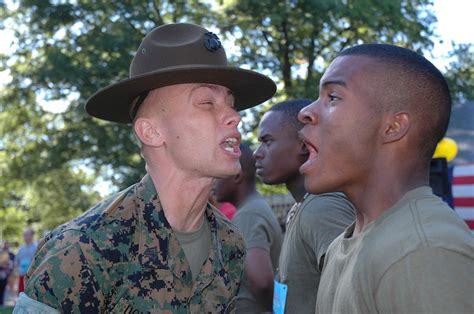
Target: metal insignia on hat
x,y
212,42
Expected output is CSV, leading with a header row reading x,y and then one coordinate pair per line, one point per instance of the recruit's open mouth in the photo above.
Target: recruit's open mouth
x,y
313,153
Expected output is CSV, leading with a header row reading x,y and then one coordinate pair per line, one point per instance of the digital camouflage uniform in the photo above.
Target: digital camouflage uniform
x,y
122,256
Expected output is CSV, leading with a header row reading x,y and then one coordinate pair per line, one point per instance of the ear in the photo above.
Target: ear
x,y
396,126
148,133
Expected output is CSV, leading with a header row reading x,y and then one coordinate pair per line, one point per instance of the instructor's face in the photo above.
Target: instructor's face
x,y
200,128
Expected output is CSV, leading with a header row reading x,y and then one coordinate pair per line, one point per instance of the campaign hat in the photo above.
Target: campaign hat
x,y
177,54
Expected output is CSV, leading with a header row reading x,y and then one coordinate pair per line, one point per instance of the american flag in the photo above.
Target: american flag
x,y
463,192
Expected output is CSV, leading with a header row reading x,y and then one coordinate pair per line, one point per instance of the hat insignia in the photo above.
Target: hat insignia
x,y
212,42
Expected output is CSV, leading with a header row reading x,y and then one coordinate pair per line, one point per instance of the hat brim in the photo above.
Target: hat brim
x,y
113,102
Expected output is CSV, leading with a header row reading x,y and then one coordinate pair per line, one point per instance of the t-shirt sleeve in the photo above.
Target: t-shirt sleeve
x,y
66,273
432,280
255,229
324,218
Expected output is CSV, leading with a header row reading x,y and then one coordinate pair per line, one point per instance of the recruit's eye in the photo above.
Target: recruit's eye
x,y
333,97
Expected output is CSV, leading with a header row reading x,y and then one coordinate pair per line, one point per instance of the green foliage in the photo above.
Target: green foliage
x,y
271,189
67,50
460,74
295,40
49,195
12,224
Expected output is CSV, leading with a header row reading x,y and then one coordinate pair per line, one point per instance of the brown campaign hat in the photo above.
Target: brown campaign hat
x,y
176,54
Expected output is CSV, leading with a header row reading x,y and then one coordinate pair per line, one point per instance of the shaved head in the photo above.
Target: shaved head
x,y
290,110
403,80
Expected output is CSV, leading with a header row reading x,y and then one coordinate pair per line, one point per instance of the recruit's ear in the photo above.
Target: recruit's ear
x,y
396,126
147,132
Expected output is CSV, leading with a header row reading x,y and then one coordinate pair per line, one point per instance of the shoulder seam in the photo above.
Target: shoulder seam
x,y
418,225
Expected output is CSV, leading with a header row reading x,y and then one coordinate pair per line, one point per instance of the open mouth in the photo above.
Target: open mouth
x,y
313,153
231,145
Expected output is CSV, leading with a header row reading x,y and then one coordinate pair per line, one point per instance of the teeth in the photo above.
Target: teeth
x,y
231,141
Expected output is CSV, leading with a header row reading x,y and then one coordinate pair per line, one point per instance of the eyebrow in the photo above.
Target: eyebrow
x,y
210,86
334,82
264,137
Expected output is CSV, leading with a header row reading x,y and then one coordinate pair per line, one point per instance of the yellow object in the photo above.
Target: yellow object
x,y
446,148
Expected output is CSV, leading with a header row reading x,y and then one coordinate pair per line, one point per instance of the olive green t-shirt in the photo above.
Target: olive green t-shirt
x,y
260,227
196,246
318,220
417,257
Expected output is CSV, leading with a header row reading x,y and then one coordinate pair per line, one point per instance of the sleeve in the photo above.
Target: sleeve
x,y
255,230
428,281
26,305
323,219
66,274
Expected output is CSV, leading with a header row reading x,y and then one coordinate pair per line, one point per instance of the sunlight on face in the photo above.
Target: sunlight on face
x,y
199,126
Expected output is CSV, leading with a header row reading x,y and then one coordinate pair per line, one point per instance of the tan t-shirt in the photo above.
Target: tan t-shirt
x,y
315,224
418,257
196,246
261,229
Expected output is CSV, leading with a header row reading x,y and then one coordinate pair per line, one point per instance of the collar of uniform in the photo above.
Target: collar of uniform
x,y
158,244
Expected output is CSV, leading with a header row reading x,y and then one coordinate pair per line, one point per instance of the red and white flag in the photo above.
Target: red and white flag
x,y
463,192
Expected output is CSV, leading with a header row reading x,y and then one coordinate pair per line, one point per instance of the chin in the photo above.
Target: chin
x,y
230,171
264,179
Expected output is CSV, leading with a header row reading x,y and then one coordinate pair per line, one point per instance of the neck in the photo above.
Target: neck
x,y
296,187
184,197
379,194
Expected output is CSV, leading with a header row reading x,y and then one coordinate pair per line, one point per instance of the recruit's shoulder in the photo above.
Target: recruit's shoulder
x,y
324,206
255,206
432,223
419,223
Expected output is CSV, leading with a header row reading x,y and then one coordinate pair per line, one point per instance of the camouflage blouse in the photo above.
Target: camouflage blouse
x,y
122,256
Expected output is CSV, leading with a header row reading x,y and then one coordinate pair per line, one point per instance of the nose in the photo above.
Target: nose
x,y
308,114
257,154
232,117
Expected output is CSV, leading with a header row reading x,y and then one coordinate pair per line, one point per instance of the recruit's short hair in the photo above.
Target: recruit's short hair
x,y
410,81
290,109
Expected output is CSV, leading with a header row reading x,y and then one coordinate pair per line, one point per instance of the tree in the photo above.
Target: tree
x,y
67,50
460,73
294,41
